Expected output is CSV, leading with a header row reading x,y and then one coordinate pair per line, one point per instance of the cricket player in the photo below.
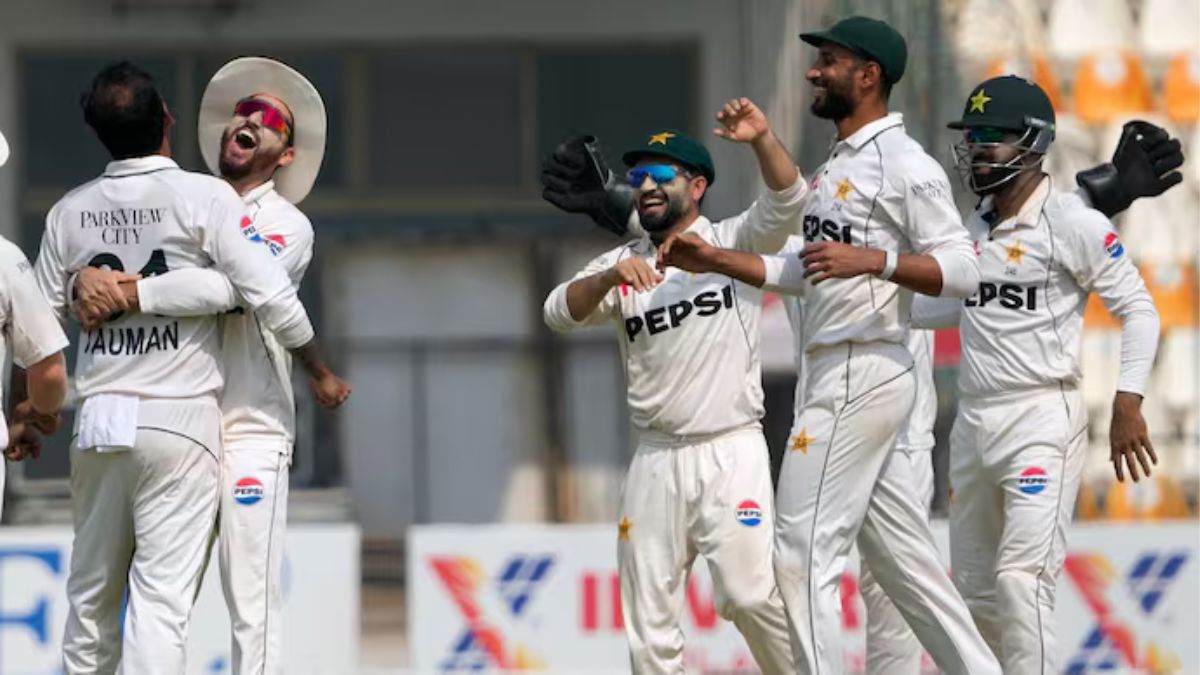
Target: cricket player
x,y
262,129
36,340
1144,164
700,479
1018,443
146,448
879,225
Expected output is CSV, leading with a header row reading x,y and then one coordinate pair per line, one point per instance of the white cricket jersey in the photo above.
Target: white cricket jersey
x,y
258,402
878,190
917,431
1022,328
148,216
690,344
31,330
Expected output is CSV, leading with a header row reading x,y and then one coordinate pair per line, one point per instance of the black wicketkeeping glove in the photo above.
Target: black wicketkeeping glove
x,y
576,179
1145,164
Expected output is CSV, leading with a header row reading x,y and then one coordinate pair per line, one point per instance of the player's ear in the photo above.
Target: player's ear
x,y
872,74
698,185
287,157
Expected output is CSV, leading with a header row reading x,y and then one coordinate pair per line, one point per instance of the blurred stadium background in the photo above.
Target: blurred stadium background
x,y
435,252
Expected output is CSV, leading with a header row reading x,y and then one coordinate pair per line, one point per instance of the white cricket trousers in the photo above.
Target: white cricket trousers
x,y
710,496
1016,461
252,529
892,649
144,521
837,486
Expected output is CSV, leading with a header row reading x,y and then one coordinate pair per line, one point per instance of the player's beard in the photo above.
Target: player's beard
x,y
836,104
674,209
261,159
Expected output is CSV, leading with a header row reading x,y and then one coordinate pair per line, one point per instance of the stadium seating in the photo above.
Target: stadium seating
x,y
1036,67
988,30
1168,27
1110,84
1158,498
1073,150
1081,27
1191,169
1173,287
1181,86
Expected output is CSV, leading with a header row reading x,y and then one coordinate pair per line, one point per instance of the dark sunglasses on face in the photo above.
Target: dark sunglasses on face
x,y
272,117
659,173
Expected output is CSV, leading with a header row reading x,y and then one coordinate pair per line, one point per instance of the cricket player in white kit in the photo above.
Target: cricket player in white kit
x,y
700,479
262,128
1018,443
145,456
30,331
879,224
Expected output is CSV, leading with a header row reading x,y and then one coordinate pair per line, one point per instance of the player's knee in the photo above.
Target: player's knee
x,y
747,600
1017,588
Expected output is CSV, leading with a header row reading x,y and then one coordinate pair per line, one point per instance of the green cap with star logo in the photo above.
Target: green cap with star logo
x,y
1007,102
674,145
871,39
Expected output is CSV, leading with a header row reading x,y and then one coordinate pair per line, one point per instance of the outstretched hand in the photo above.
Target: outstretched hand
x,y
741,121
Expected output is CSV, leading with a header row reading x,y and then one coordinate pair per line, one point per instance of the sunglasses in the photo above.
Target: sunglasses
x,y
272,117
984,135
659,173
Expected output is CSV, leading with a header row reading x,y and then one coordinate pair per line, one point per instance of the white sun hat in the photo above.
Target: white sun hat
x,y
256,75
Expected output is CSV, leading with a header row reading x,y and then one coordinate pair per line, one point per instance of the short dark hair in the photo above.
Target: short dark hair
x,y
126,111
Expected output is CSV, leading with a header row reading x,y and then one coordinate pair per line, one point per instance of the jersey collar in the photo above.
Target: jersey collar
x,y
860,138
1029,214
136,165
258,192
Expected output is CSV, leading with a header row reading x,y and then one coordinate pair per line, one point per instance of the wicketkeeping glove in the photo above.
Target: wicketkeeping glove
x,y
576,179
1145,164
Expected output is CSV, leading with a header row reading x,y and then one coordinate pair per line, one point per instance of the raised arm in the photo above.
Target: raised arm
x,y
773,217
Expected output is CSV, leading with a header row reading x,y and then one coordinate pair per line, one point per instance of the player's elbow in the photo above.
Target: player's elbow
x,y
960,272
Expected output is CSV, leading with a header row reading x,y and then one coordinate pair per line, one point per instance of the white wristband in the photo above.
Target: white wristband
x,y
890,260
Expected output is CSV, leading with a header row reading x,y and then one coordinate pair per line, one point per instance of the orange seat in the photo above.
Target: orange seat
x,y
1181,88
1109,85
1173,288
1096,316
1156,498
1036,68
1087,504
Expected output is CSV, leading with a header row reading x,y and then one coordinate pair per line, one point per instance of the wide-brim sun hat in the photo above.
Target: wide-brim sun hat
x,y
252,75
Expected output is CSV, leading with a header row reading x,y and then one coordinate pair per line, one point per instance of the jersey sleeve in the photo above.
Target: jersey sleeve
x,y
934,225
784,271
766,225
252,270
33,329
555,311
49,272
192,291
1096,259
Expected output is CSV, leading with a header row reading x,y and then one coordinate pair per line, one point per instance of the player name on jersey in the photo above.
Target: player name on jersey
x,y
660,319
132,340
